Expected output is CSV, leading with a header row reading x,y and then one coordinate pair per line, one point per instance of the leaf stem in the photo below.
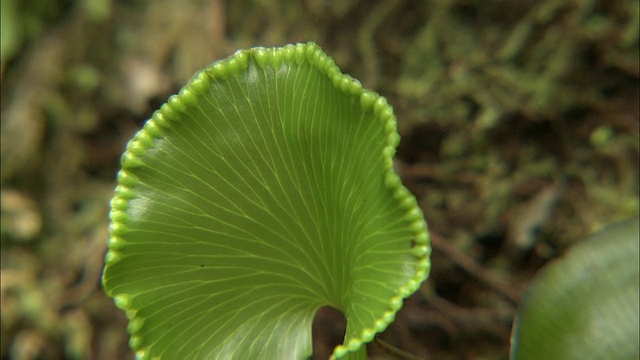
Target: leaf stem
x,y
395,351
474,269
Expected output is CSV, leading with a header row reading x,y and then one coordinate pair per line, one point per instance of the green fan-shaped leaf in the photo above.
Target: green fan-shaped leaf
x,y
260,193
587,304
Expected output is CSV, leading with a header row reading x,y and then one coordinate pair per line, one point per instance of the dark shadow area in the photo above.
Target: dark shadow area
x,y
329,326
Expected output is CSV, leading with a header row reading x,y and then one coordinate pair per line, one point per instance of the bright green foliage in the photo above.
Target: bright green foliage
x,y
9,36
586,305
261,192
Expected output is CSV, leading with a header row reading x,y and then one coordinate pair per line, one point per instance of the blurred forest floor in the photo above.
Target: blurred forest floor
x,y
519,124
